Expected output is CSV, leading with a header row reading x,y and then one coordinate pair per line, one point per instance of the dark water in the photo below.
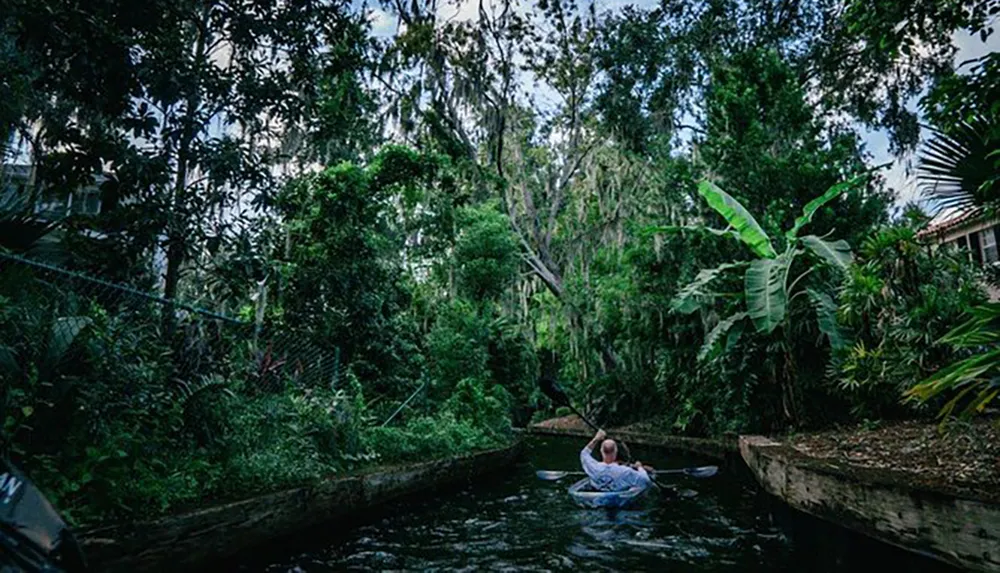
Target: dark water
x,y
518,523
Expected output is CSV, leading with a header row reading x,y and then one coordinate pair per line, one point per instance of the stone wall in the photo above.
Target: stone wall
x,y
193,539
958,530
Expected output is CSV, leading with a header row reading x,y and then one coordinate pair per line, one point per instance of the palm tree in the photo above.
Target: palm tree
x,y
959,167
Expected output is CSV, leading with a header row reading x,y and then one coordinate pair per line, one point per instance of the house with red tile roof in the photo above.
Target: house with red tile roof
x,y
973,230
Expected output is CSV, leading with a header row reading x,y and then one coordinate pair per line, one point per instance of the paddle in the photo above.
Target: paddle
x,y
698,472
555,393
549,387
559,398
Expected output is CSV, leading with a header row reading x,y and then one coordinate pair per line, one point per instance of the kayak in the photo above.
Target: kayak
x,y
585,496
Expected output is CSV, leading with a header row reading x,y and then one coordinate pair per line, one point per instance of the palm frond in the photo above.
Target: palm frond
x,y
956,168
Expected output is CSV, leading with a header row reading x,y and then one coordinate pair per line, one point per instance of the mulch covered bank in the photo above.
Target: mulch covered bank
x,y
571,422
965,459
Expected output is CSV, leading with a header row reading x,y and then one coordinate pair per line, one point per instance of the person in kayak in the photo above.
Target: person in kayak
x,y
607,474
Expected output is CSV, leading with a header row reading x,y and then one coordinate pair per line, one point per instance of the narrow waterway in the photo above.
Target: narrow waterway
x,y
515,522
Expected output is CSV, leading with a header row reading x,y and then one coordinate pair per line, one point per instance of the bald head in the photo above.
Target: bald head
x,y
609,451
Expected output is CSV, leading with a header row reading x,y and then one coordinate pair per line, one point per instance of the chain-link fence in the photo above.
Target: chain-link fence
x,y
106,387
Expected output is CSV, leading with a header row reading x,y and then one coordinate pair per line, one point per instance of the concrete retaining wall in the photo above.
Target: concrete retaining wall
x,y
954,529
189,540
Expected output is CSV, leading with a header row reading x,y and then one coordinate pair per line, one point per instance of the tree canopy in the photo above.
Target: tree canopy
x,y
672,209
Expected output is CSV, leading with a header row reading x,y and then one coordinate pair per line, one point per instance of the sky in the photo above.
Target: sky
x,y
899,175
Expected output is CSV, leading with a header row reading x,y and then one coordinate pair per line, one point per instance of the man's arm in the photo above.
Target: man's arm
x,y
587,460
596,440
642,478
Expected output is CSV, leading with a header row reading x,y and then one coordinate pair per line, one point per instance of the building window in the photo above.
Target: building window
x,y
962,243
87,201
988,241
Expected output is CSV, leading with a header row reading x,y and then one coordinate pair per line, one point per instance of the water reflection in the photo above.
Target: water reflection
x,y
518,523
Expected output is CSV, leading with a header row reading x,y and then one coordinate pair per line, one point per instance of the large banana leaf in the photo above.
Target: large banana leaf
x,y
826,316
835,253
738,218
715,335
733,338
767,300
976,379
816,204
690,297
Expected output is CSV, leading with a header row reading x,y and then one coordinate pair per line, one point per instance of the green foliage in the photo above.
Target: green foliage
x,y
722,328
826,317
959,167
486,253
766,293
465,343
767,289
812,207
769,285
836,254
343,275
458,346
879,54
142,433
428,437
898,301
692,296
974,380
132,97
738,218
766,145
966,94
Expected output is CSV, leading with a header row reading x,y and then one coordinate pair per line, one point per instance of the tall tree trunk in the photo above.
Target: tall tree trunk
x,y
788,376
177,225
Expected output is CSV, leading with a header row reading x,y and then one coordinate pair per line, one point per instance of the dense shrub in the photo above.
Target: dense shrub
x,y
117,421
900,298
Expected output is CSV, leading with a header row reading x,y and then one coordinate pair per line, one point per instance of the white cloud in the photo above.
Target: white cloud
x,y
383,23
462,10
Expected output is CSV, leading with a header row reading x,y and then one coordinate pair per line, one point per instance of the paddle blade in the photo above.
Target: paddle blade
x,y
702,472
548,475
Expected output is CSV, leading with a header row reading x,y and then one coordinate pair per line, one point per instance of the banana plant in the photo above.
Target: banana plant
x,y
769,285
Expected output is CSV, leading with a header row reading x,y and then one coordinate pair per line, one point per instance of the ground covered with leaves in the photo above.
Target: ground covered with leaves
x,y
571,422
964,458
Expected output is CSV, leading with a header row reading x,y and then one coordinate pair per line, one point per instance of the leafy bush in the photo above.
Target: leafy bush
x,y
428,437
474,417
898,300
486,253
457,346
974,379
